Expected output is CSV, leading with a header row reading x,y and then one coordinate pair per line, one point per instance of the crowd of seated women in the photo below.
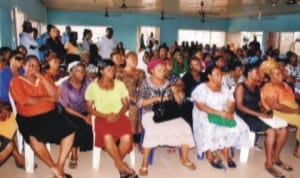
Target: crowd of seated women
x,y
225,93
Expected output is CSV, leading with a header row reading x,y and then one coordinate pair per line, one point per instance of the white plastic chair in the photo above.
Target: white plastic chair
x,y
244,152
22,145
97,152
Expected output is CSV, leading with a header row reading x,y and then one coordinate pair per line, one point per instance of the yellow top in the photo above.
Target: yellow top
x,y
8,127
107,101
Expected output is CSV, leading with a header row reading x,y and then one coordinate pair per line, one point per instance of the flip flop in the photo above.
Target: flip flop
x,y
189,165
275,173
143,171
73,164
283,165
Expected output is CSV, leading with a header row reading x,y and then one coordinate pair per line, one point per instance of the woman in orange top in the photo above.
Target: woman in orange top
x,y
276,95
37,118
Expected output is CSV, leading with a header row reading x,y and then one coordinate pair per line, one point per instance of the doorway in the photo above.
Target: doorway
x,y
146,31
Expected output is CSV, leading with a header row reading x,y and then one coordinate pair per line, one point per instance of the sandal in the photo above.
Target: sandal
x,y
231,164
275,173
217,164
296,156
189,165
143,171
283,165
64,176
73,163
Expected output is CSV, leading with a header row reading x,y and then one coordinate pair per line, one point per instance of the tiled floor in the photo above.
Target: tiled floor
x,y
165,165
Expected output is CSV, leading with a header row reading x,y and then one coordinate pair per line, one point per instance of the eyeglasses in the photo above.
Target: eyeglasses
x,y
19,58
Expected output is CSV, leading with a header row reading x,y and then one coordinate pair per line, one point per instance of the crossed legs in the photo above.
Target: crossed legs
x,y
41,151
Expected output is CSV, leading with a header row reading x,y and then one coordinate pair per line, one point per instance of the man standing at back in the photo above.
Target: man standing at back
x,y
27,40
106,44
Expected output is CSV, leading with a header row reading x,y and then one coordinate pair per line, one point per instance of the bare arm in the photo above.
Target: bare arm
x,y
91,110
51,89
125,106
203,107
75,113
273,103
178,91
239,98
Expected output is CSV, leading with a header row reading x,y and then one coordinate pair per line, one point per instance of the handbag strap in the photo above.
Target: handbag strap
x,y
163,93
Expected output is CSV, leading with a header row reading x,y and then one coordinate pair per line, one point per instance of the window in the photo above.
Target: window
x,y
98,31
286,41
18,17
202,36
247,37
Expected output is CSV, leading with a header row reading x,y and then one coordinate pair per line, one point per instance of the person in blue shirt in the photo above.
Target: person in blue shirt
x,y
66,35
27,40
7,73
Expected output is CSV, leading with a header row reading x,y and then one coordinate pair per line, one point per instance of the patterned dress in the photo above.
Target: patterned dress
x,y
132,82
175,132
211,137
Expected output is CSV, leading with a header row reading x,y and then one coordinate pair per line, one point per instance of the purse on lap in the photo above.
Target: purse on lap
x,y
166,110
220,121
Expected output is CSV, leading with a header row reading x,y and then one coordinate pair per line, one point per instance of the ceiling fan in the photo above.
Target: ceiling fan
x,y
203,14
124,6
260,16
162,16
107,14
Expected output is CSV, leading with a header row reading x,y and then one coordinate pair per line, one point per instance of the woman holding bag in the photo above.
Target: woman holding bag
x,y
216,128
175,132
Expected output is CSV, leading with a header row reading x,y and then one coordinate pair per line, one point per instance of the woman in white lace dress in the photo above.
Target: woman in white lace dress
x,y
211,98
175,132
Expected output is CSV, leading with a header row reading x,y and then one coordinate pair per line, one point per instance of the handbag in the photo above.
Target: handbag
x,y
220,121
166,110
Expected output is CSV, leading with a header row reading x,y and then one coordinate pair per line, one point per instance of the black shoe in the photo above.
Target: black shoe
x,y
126,175
231,164
68,175
217,164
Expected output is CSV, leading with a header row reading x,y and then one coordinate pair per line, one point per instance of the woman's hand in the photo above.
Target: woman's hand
x,y
112,117
88,119
226,115
265,115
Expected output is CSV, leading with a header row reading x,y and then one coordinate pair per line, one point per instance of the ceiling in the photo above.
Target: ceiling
x,y
211,8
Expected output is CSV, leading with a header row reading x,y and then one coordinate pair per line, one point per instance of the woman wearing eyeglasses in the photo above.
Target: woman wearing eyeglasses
x,y
7,73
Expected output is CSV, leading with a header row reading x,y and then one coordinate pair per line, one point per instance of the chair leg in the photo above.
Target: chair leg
x,y
20,142
151,156
245,151
29,159
96,157
48,147
132,158
200,157
232,149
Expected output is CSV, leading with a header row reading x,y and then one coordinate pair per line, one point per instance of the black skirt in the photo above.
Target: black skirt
x,y
254,123
84,133
50,127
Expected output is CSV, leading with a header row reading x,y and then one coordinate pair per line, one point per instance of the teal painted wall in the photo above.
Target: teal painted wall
x,y
282,23
270,23
33,8
125,26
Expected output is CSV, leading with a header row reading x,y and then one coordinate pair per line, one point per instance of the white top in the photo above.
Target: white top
x,y
216,100
106,47
27,40
141,64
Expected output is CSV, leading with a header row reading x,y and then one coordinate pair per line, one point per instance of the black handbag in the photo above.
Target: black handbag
x,y
166,110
